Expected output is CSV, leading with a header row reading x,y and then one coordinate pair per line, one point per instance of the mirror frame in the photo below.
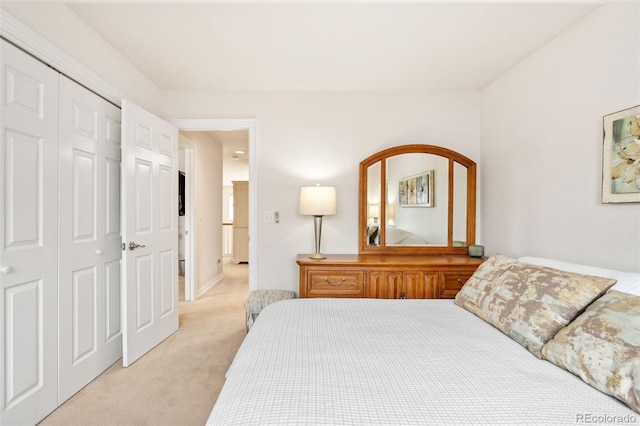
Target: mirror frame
x,y
382,156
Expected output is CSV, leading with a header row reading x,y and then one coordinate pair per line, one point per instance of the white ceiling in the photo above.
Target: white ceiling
x,y
296,45
235,165
328,45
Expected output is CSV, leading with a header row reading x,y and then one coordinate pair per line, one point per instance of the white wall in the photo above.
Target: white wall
x,y
226,192
542,146
208,208
307,138
64,28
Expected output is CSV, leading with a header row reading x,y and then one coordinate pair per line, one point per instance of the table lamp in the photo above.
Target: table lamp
x,y
317,201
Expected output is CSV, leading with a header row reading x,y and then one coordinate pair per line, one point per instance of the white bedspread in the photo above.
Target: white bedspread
x,y
397,362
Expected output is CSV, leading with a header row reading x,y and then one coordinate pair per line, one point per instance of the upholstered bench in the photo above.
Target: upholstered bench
x,y
258,299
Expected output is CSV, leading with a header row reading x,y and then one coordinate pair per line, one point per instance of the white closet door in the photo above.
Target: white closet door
x,y
89,237
28,238
150,231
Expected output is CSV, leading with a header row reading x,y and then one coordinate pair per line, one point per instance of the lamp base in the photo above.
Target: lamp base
x,y
317,256
317,227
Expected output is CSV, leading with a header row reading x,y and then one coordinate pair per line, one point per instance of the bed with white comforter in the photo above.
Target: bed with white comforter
x,y
397,362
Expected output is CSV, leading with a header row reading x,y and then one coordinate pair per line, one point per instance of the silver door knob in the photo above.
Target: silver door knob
x,y
133,246
99,252
5,269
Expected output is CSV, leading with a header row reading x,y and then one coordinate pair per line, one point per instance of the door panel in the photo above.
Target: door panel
x,y
167,198
144,190
421,285
167,266
84,195
24,202
23,354
112,192
84,315
89,237
112,301
144,292
384,285
150,220
28,237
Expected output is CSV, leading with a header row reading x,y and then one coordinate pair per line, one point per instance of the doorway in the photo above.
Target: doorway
x,y
249,125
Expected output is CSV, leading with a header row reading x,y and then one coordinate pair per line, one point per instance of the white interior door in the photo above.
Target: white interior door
x,y
28,238
150,231
89,237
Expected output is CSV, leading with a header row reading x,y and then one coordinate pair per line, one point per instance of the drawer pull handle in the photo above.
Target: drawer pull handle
x,y
336,284
460,281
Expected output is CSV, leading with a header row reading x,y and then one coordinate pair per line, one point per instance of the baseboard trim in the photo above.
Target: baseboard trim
x,y
208,286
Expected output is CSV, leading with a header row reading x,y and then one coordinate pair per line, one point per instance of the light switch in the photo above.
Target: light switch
x,y
269,217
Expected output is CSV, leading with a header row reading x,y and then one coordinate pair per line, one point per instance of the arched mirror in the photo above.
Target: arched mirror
x,y
417,199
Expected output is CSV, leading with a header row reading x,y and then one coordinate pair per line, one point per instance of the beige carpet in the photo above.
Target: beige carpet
x,y
178,381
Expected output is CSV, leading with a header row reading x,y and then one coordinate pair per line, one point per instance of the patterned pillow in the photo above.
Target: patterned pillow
x,y
602,347
528,303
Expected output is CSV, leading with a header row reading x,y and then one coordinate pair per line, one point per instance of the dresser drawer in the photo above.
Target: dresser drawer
x,y
327,283
453,282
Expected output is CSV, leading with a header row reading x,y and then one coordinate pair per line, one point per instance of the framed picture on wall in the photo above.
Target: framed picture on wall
x,y
416,190
621,157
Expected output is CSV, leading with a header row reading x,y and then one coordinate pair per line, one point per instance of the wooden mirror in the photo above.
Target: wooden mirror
x,y
417,199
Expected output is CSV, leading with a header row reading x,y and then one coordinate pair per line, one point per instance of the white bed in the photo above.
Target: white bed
x,y
397,362
401,237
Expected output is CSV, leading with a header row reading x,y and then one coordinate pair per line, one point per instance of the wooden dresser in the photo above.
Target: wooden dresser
x,y
385,276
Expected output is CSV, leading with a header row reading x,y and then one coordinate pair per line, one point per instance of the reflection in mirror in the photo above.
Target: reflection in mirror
x,y
416,199
459,205
373,204
418,195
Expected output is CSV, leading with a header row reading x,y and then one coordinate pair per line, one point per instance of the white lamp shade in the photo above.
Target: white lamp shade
x,y
391,214
318,200
374,211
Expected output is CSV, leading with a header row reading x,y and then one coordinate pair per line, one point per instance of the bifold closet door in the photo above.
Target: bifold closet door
x,y
89,237
28,238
